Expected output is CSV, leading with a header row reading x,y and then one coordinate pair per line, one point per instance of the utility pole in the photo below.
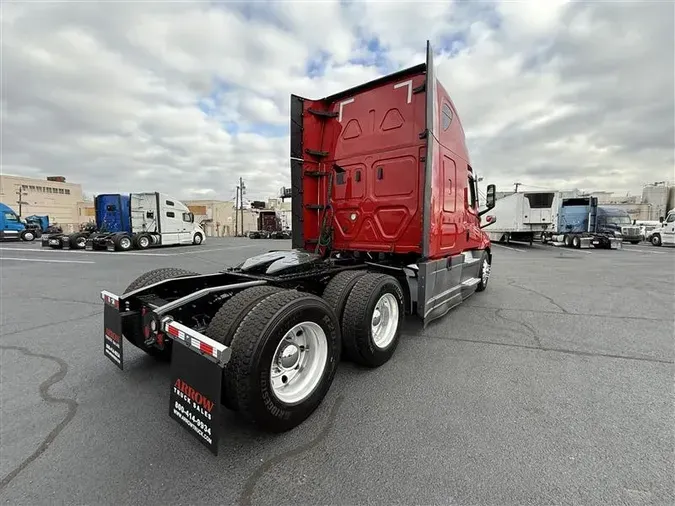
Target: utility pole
x,y
517,185
236,213
242,191
20,193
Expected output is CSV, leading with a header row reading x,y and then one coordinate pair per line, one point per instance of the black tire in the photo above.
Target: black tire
x,y
567,241
338,289
253,348
197,239
123,242
484,279
149,278
225,323
656,240
357,336
544,239
77,241
576,242
635,242
143,241
27,235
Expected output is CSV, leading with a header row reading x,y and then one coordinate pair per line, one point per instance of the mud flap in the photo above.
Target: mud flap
x,y
113,343
196,385
89,244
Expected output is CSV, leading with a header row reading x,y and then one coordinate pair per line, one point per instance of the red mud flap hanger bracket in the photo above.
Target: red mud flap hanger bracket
x,y
196,383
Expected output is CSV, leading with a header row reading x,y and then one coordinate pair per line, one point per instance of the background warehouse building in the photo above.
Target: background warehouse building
x,y
63,202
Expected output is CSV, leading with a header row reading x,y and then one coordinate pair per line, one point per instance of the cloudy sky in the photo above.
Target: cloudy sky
x,y
185,97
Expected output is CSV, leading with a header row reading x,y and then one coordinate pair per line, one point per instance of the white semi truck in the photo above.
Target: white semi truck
x,y
665,234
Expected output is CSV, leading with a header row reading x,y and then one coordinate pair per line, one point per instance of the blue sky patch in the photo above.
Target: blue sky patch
x,y
264,129
376,54
316,65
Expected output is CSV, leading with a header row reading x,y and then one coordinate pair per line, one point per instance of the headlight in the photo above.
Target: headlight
x,y
617,233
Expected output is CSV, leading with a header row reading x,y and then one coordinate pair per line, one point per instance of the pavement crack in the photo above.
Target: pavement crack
x,y
57,299
50,324
532,331
553,350
249,486
592,315
511,283
71,404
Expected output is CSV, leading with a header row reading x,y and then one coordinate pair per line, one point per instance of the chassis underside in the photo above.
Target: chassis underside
x,y
175,306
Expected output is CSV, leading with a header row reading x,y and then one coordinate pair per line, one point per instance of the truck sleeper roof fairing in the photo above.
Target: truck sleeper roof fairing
x,y
390,143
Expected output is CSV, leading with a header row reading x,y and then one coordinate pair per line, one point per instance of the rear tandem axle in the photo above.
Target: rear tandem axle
x,y
273,330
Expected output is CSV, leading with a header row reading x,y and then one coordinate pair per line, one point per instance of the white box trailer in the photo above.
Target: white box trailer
x,y
524,216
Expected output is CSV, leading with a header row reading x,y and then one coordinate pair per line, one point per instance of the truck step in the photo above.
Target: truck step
x,y
316,153
470,281
315,173
324,114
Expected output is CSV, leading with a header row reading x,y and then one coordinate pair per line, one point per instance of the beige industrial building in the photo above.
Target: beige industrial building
x,y
218,217
53,196
219,220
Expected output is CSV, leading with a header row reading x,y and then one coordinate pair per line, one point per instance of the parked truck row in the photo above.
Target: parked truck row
x,y
385,223
577,222
134,221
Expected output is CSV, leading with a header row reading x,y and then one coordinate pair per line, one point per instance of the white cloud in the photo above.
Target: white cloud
x,y
111,95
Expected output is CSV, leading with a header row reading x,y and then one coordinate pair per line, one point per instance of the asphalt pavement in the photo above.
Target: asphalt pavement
x,y
554,386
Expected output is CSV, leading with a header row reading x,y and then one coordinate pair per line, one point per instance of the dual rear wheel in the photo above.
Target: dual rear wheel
x,y
286,345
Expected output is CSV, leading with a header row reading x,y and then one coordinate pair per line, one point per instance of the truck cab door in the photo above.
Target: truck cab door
x,y
472,232
668,234
187,228
11,226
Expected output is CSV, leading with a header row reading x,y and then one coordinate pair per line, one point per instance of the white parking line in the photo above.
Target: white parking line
x,y
133,253
644,251
47,260
508,247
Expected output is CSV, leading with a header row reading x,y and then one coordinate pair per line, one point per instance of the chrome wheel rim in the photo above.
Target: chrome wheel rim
x,y
486,272
125,243
81,242
143,242
198,239
384,322
299,362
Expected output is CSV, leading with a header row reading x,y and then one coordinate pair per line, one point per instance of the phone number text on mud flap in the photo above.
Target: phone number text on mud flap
x,y
187,413
196,407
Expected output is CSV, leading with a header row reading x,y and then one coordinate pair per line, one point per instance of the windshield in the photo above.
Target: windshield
x,y
619,220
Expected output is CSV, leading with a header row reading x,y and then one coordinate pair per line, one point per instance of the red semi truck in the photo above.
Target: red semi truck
x,y
386,223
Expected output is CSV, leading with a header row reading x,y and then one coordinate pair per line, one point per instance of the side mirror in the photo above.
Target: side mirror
x,y
489,220
660,219
489,200
490,196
